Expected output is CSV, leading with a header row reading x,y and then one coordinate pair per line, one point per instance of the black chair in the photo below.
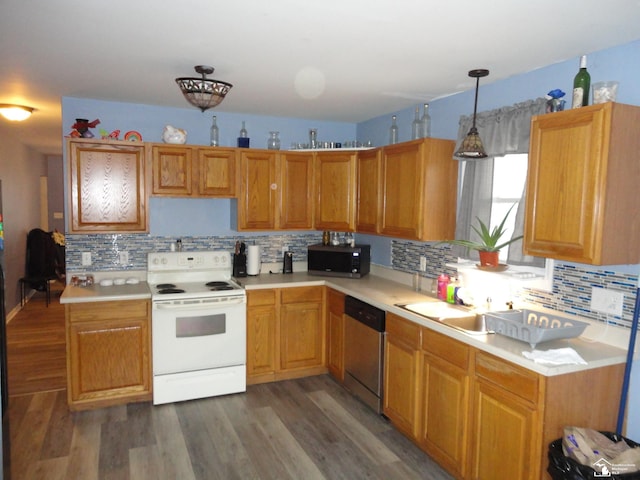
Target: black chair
x,y
43,264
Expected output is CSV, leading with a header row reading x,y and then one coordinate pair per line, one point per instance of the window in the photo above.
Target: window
x,y
509,177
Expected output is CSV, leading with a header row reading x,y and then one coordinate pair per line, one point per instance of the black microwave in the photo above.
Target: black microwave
x,y
339,261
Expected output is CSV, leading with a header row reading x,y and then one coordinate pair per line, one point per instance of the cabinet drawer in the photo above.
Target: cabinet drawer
x,y
508,376
95,311
403,330
261,297
441,346
301,295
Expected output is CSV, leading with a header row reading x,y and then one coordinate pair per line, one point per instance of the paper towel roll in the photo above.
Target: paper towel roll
x,y
253,260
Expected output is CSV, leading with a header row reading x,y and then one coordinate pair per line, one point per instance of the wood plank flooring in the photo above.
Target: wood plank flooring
x,y
298,429
36,349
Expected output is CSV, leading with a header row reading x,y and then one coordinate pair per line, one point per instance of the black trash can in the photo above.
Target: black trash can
x,y
562,467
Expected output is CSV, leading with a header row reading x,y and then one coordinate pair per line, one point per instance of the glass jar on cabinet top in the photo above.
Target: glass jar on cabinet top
x,y
274,141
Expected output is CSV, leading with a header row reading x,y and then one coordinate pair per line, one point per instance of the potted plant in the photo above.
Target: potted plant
x,y
489,245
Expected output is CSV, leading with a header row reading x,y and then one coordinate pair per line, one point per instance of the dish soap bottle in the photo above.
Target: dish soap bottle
x,y
581,84
443,282
243,139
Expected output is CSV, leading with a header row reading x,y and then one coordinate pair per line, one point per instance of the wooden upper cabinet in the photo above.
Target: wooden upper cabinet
x,y
107,186
419,186
296,185
275,190
185,171
369,191
217,172
582,183
172,167
335,191
258,190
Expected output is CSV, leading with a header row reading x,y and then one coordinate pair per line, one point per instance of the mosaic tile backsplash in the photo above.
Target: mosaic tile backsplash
x,y
571,285
105,249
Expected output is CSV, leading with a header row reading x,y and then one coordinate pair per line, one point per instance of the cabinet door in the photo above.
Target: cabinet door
x,y
258,190
335,319
401,373
217,172
402,190
172,170
369,191
503,436
335,185
296,185
445,400
302,339
581,186
107,187
261,332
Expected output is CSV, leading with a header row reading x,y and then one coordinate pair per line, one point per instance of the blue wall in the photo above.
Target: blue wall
x,y
173,217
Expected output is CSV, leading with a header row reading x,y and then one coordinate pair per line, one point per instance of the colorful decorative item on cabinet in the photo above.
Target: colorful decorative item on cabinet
x,y
133,136
81,128
105,135
174,135
555,102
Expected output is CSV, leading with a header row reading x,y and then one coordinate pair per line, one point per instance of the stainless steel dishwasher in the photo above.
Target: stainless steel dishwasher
x,y
363,351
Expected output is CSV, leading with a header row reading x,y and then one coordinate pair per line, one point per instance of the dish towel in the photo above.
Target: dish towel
x,y
559,356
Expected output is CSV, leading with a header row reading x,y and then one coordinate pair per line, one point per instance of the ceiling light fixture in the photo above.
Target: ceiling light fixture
x,y
15,113
202,92
471,146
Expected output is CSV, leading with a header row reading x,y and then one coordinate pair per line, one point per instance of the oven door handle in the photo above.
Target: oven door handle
x,y
198,306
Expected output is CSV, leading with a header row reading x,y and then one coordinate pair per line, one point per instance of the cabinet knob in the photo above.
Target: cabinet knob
x,y
274,186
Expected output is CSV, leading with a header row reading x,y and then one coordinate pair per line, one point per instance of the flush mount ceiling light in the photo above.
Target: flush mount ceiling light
x,y
15,113
202,92
471,146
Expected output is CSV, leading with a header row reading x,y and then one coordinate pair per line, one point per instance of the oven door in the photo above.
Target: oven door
x,y
198,336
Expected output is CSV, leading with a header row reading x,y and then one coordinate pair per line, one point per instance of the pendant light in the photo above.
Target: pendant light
x,y
203,93
471,146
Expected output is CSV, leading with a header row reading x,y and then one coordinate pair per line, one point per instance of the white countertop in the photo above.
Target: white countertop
x,y
98,293
385,294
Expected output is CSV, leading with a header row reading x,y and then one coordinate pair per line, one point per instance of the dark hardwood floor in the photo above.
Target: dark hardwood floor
x,y
298,429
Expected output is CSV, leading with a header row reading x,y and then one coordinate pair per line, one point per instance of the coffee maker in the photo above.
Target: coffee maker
x,y
287,266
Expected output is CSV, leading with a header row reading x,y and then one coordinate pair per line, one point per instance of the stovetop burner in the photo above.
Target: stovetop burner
x,y
182,276
167,291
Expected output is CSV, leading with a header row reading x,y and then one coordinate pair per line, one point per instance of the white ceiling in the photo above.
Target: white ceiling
x,y
342,60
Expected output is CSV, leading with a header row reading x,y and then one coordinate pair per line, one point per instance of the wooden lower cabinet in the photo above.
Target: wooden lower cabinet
x,y
505,438
444,400
401,374
335,333
506,404
108,353
482,417
286,333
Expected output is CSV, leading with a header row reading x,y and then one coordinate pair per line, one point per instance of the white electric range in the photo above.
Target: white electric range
x,y
198,326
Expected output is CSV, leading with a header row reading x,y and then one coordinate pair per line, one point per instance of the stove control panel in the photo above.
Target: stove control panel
x,y
182,261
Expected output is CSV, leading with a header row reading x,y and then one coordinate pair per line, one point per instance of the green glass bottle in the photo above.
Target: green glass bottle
x,y
581,85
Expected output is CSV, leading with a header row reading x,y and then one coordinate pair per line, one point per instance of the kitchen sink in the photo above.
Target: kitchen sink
x,y
450,315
